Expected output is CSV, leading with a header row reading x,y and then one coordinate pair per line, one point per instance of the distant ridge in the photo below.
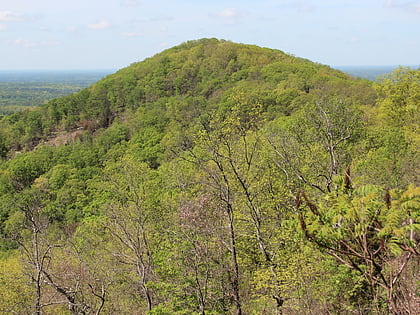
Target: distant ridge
x,y
369,72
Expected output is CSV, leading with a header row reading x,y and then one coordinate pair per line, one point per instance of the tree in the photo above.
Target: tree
x,y
131,213
213,165
400,98
228,154
368,231
201,251
313,148
27,226
41,248
392,142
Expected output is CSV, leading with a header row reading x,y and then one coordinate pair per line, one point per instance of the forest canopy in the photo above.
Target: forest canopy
x,y
214,178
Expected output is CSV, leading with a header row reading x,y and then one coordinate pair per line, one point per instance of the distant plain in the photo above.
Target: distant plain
x,y
21,90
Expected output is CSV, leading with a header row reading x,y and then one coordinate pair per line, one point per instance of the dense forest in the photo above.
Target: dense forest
x,y
214,178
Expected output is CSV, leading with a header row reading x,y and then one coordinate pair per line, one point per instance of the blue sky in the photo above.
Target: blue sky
x,y
111,34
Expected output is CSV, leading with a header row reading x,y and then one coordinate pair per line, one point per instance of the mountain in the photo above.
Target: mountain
x,y
214,178
199,75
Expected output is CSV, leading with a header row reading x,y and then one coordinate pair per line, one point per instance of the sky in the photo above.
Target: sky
x,y
112,34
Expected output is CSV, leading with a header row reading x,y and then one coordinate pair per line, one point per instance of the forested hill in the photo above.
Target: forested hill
x,y
214,178
194,78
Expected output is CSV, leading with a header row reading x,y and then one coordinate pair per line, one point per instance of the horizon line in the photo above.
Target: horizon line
x,y
116,69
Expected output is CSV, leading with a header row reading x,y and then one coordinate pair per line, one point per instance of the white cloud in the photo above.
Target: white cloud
x,y
229,13
399,3
409,6
30,44
50,43
71,28
130,3
306,8
388,4
162,19
131,34
3,27
24,43
9,16
416,9
99,26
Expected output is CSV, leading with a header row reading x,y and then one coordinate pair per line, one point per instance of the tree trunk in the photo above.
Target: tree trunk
x,y
235,280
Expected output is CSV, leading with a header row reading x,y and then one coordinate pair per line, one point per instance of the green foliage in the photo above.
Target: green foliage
x,y
27,167
106,138
314,146
15,294
365,229
178,184
400,98
390,158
